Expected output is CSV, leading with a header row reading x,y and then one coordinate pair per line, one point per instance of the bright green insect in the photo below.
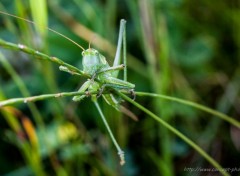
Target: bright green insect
x,y
96,65
102,78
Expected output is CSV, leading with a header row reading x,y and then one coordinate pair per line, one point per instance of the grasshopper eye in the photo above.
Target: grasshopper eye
x,y
83,53
96,52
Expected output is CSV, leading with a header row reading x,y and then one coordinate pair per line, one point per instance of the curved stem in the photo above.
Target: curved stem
x,y
195,105
178,133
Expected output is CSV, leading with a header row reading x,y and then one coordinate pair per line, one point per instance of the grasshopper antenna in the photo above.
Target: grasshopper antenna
x,y
92,39
8,14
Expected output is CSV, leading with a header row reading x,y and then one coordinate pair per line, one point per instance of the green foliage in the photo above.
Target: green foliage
x,y
181,48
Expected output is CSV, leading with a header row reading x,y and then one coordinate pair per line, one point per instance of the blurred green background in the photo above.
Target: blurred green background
x,y
183,48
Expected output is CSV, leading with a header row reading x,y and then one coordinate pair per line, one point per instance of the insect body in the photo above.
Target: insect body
x,y
96,65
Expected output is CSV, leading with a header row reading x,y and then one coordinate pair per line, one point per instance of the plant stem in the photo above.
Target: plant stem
x,y
120,152
195,105
40,55
42,97
178,133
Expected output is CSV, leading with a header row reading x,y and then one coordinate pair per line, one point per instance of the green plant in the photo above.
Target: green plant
x,y
75,70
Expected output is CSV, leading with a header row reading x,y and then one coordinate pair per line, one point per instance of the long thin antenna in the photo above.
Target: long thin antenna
x,y
8,14
93,37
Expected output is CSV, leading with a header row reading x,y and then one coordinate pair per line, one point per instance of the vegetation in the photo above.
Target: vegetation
x,y
183,57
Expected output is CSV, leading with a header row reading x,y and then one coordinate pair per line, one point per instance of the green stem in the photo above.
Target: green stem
x,y
47,96
42,97
195,105
40,55
178,133
120,152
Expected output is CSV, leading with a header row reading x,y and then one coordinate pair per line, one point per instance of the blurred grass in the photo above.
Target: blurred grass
x,y
182,48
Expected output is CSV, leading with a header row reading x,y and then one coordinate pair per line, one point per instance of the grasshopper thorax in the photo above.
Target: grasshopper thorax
x,y
92,61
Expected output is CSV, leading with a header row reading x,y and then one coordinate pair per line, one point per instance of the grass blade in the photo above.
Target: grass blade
x,y
178,133
39,13
195,105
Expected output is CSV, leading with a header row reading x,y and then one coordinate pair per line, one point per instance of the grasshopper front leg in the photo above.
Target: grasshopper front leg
x,y
82,89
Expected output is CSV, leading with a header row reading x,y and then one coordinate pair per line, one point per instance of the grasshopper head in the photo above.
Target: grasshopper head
x,y
90,57
91,61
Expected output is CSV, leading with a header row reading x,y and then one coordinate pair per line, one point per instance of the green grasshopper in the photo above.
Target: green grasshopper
x,y
96,65
101,77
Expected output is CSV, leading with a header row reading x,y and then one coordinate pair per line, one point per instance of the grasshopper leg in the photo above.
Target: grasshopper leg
x,y
83,88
